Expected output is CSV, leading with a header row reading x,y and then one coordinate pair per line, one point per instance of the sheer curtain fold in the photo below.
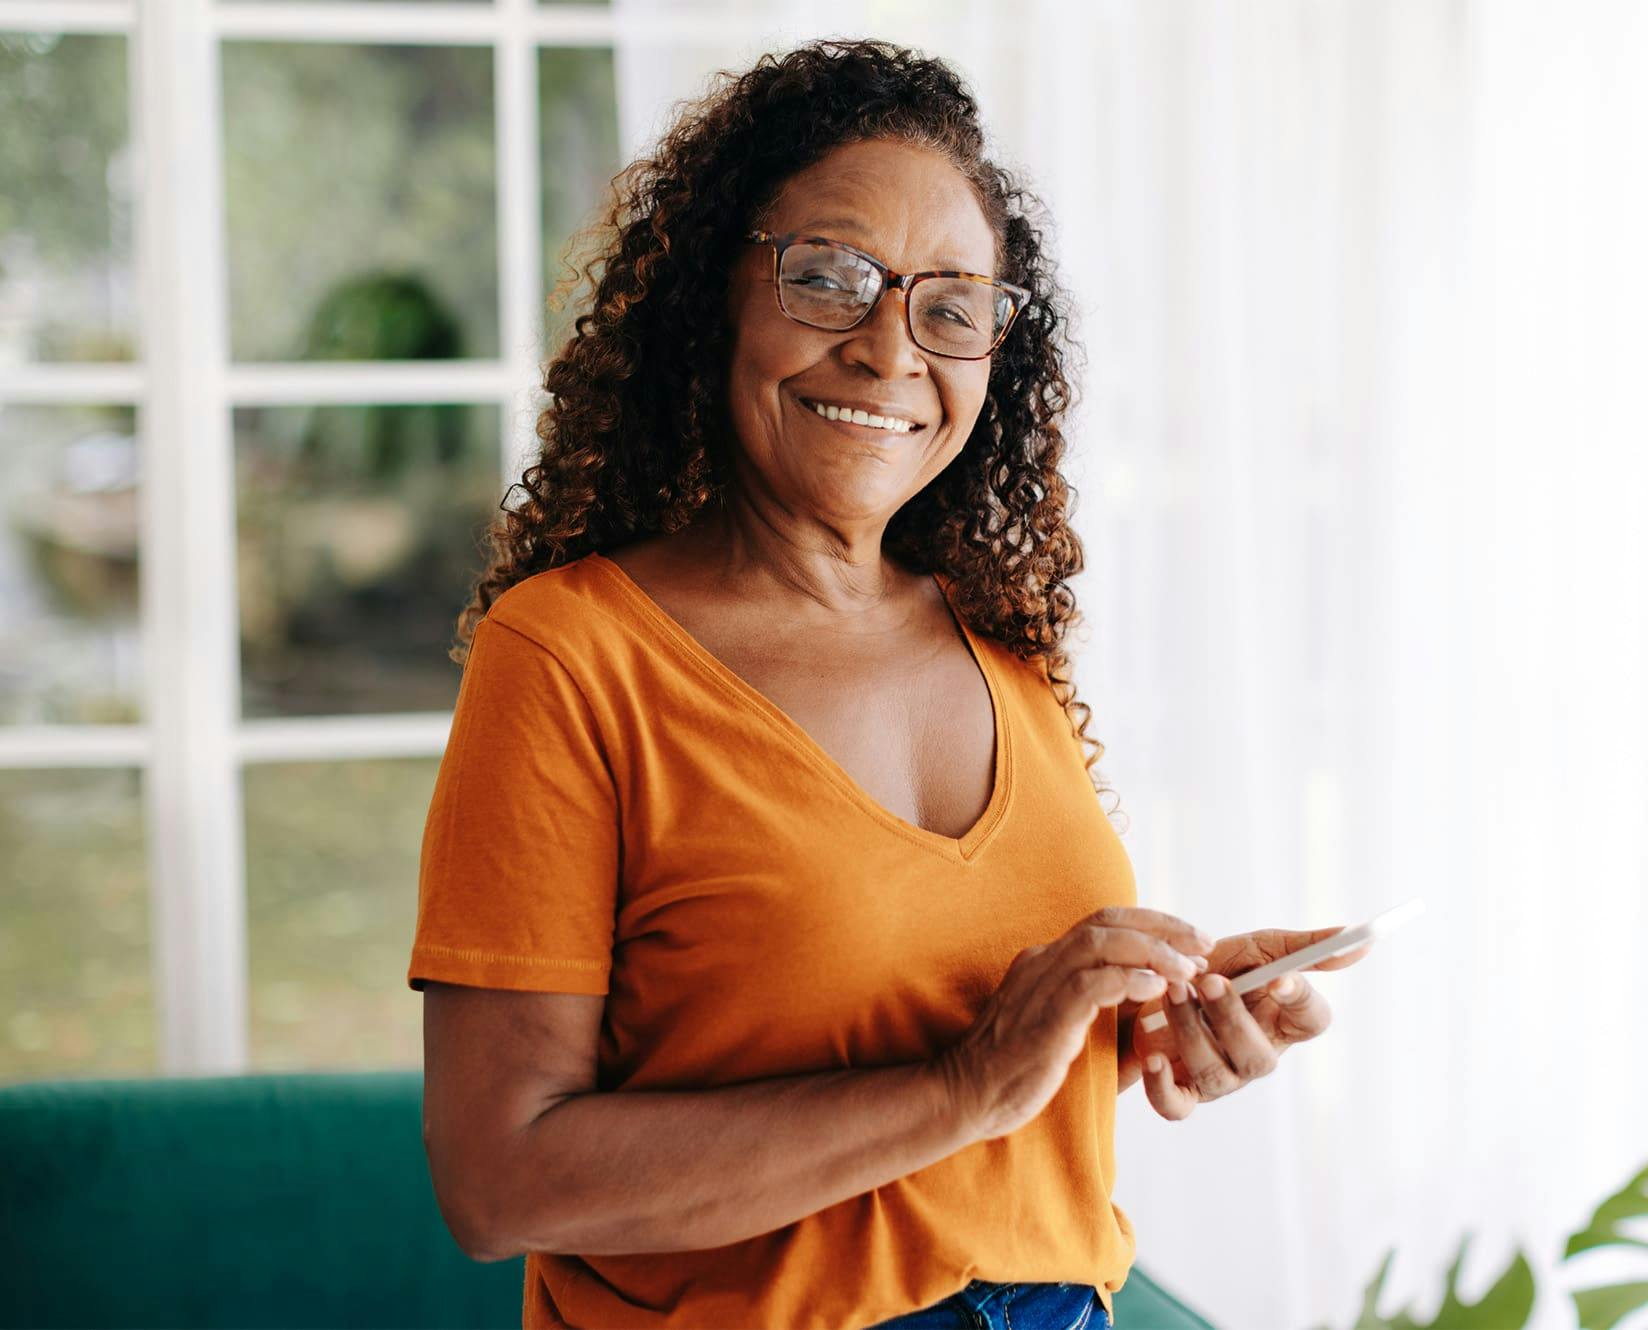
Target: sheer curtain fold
x,y
1361,478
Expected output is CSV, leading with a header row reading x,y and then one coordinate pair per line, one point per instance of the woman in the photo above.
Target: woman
x,y
781,967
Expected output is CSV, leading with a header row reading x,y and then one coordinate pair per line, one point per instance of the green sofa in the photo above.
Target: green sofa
x,y
295,1199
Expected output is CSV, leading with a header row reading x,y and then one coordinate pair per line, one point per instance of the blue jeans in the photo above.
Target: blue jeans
x,y
983,1305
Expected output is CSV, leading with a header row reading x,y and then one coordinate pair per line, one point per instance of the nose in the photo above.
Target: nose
x,y
882,342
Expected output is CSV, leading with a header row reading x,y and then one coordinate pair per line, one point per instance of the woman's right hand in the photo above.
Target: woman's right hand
x,y
1015,1056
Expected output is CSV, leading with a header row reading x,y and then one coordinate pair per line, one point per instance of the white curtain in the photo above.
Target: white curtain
x,y
1363,491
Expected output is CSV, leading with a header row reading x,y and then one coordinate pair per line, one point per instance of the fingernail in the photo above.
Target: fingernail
x,y
1177,992
1213,986
1201,963
1285,986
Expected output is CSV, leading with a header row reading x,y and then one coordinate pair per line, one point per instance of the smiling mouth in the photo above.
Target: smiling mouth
x,y
862,422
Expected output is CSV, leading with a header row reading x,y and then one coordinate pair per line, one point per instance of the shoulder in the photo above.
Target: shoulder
x,y
567,610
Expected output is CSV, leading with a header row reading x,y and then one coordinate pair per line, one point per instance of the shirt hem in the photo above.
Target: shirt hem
x,y
482,969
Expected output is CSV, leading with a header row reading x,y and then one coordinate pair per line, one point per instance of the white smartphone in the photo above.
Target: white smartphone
x,y
1346,939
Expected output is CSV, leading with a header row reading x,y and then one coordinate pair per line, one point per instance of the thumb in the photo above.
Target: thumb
x,y
1163,1091
1340,961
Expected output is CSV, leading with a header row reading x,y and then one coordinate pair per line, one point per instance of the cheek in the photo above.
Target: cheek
x,y
767,348
762,360
963,396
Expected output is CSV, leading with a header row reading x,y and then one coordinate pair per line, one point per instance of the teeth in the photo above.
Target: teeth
x,y
891,423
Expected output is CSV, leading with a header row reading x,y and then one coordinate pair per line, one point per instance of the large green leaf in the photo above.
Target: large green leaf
x,y
1603,1307
1507,1305
1629,1202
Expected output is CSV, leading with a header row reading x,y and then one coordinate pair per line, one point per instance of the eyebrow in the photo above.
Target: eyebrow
x,y
943,262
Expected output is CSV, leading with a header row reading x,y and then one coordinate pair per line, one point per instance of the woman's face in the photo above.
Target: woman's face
x,y
914,211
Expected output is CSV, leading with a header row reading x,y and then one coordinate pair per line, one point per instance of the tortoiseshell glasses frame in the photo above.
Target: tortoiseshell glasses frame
x,y
890,281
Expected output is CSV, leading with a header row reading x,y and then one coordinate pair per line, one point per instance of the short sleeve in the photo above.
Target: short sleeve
x,y
518,877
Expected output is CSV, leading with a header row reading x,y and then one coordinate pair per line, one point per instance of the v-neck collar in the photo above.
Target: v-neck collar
x,y
961,848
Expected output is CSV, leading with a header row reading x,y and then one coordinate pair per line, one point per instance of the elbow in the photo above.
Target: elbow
x,y
497,1206
468,1218
488,1256
486,1228
477,1240
486,1238
475,1236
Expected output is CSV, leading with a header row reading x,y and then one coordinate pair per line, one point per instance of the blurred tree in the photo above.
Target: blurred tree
x,y
346,159
383,316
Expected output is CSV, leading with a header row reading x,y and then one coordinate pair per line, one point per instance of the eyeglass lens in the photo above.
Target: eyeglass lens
x,y
831,288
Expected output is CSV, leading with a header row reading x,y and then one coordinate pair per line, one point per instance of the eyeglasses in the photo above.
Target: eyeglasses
x,y
824,283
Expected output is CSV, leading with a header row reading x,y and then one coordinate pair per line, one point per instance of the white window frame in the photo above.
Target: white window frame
x,y
192,742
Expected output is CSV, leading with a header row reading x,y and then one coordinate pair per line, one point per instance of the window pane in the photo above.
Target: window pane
x,y
360,529
361,202
69,637
66,279
578,135
332,899
76,996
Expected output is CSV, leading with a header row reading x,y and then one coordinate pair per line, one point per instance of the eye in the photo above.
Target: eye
x,y
822,280
953,314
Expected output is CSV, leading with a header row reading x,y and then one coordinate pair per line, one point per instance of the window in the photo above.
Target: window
x,y
270,322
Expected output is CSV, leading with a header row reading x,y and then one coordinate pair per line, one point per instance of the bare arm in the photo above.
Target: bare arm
x,y
527,1154
652,1171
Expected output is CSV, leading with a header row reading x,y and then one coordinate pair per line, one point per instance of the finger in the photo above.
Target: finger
x,y
1089,965
1158,1039
1270,944
1242,1040
1099,944
1166,1096
1339,962
1204,1063
1112,985
1292,1011
1183,935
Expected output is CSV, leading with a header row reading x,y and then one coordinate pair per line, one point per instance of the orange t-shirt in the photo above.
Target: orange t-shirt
x,y
619,813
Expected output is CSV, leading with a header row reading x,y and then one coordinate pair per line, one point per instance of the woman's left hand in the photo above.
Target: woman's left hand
x,y
1207,1052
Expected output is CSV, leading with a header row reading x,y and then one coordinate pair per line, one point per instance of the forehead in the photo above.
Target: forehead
x,y
906,205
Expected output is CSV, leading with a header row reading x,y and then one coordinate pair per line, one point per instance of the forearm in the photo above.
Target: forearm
x,y
652,1171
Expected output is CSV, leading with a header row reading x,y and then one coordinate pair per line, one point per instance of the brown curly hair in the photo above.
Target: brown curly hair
x,y
635,438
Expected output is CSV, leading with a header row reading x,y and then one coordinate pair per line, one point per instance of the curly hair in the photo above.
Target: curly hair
x,y
636,434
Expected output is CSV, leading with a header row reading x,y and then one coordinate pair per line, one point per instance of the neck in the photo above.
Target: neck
x,y
764,556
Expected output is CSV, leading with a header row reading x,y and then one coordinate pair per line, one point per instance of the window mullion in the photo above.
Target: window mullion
x,y
192,795
520,248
